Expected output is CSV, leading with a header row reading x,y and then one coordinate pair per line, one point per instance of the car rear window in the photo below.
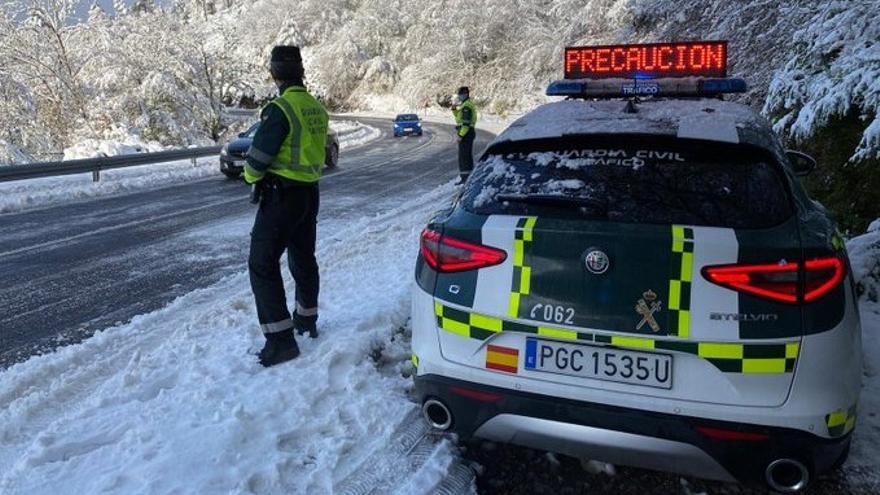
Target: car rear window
x,y
636,180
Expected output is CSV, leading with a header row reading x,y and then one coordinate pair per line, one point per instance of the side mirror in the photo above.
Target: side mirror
x,y
801,163
242,134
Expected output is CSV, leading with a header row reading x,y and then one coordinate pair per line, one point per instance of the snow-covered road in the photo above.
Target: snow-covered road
x,y
82,266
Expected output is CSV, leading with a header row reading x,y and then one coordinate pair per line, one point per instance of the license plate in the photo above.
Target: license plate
x,y
602,363
407,130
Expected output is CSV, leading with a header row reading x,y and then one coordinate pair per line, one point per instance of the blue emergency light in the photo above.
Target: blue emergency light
x,y
623,88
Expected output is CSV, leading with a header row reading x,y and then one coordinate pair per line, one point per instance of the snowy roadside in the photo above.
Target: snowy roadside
x,y
864,252
35,193
174,401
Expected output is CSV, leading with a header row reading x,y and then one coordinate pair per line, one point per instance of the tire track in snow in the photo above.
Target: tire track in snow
x,y
397,466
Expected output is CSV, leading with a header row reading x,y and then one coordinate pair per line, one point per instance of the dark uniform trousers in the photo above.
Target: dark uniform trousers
x,y
466,154
286,219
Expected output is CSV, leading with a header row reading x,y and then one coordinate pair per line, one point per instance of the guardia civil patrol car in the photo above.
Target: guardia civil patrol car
x,y
636,275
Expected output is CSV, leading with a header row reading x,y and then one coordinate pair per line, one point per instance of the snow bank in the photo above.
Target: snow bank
x,y
32,193
352,133
12,154
35,193
175,402
864,254
91,148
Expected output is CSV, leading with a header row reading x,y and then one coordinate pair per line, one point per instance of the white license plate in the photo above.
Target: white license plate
x,y
601,363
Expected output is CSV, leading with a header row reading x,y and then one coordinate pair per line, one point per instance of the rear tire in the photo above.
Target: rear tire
x,y
332,160
843,457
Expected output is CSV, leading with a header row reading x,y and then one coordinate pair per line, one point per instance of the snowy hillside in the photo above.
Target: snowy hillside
x,y
817,58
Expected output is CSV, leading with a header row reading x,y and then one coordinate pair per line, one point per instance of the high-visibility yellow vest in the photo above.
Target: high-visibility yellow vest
x,y
464,127
302,153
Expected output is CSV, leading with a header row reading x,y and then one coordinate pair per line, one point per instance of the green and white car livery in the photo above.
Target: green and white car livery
x,y
645,283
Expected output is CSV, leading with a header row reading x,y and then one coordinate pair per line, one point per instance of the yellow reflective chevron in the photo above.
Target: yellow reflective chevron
x,y
558,333
750,358
522,273
841,421
682,267
636,342
723,351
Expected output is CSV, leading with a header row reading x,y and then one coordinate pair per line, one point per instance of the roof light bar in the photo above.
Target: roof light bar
x,y
620,88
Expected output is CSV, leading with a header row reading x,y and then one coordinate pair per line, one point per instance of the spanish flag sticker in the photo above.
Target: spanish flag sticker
x,y
502,358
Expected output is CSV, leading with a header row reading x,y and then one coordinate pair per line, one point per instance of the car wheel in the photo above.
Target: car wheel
x,y
332,159
843,456
231,175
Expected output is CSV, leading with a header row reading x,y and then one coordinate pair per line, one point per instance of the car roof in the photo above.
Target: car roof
x,y
704,119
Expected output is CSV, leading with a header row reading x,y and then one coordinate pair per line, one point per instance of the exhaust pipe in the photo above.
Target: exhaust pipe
x,y
437,415
787,475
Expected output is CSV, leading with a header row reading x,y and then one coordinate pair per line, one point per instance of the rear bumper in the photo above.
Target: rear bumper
x,y
408,132
624,436
230,167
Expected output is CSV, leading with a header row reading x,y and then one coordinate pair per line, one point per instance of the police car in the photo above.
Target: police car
x,y
636,275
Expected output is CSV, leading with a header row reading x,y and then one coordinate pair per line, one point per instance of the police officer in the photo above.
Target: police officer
x,y
284,165
465,114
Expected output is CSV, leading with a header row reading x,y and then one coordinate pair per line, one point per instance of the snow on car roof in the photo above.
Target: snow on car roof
x,y
706,119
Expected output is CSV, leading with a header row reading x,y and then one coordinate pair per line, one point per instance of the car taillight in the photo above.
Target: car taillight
x,y
781,281
822,275
448,254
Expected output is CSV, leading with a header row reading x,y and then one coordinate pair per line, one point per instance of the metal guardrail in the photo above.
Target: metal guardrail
x,y
95,165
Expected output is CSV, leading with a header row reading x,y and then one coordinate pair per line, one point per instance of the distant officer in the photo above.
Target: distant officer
x,y
284,165
465,114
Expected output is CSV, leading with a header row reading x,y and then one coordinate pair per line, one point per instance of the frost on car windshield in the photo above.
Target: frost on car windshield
x,y
648,182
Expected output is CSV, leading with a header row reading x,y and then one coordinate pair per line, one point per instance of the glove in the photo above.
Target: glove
x,y
256,192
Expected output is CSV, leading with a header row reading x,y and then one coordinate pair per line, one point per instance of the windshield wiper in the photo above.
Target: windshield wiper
x,y
554,200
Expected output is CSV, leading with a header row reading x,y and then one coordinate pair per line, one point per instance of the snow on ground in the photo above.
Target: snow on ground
x,y
90,148
32,193
353,133
10,153
175,401
864,252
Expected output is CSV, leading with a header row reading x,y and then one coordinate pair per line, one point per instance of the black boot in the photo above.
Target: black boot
x,y
280,347
306,324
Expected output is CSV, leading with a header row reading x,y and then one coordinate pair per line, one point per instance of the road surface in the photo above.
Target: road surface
x,y
74,269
